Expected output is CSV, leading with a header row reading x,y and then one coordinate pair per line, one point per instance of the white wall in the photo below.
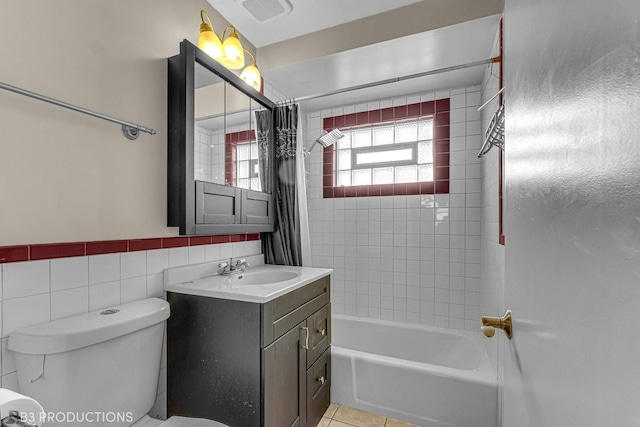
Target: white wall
x,y
69,177
413,259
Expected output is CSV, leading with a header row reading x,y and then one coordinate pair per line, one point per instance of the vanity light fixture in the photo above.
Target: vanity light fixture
x,y
251,74
228,50
208,40
233,51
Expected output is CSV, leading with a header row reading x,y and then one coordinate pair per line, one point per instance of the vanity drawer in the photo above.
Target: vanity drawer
x,y
320,333
318,388
285,312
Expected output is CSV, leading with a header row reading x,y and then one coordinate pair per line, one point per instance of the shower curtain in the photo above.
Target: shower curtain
x,y
285,245
301,188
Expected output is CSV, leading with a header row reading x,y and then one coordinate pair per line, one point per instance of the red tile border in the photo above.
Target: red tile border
x,y
175,242
57,250
144,244
106,247
199,240
44,251
220,239
438,109
14,253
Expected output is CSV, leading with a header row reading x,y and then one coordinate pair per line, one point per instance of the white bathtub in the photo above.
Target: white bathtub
x,y
427,376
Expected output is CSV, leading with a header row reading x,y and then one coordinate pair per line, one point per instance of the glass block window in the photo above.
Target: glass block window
x,y
386,154
247,167
394,151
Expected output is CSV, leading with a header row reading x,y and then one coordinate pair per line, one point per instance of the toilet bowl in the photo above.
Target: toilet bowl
x,y
99,368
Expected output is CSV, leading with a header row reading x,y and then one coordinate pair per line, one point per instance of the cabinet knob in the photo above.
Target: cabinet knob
x,y
322,380
322,331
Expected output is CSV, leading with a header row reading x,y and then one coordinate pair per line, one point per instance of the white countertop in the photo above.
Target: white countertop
x,y
217,286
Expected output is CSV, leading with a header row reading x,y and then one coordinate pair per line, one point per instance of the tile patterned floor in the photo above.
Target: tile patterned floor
x,y
343,416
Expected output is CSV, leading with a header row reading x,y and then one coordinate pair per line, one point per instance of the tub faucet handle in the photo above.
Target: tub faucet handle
x,y
490,324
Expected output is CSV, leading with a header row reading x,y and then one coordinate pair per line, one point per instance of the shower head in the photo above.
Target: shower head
x,y
329,138
326,140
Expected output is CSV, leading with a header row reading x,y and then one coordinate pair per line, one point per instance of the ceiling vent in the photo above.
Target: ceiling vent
x,y
267,10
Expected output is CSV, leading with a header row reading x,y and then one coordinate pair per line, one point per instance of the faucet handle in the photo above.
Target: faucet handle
x,y
223,265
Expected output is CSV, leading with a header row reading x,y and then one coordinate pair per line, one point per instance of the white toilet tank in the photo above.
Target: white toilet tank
x,y
94,369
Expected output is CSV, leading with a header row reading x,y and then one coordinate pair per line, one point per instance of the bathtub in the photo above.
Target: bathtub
x,y
427,376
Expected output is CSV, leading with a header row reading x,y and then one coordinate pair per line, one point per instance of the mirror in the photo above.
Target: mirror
x,y
220,138
225,140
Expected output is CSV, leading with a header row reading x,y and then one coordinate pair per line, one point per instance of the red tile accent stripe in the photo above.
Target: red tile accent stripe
x,y
175,242
144,244
438,109
61,250
73,249
14,253
107,247
199,240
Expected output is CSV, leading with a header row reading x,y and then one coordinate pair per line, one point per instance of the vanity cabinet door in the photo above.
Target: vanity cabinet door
x,y
318,388
285,379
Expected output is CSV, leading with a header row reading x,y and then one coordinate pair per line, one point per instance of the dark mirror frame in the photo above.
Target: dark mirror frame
x,y
184,194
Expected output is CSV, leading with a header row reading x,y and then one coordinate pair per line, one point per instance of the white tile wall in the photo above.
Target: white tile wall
x,y
209,160
415,258
39,291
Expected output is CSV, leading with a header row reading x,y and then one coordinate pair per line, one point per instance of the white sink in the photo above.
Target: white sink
x,y
259,283
261,277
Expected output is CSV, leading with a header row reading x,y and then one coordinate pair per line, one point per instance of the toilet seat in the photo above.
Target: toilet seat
x,y
190,422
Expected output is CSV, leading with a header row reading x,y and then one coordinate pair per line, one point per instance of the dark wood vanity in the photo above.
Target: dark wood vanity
x,y
251,364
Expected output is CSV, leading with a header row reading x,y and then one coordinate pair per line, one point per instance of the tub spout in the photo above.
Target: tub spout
x,y
490,324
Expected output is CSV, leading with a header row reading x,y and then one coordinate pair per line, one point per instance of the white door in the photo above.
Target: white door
x,y
572,213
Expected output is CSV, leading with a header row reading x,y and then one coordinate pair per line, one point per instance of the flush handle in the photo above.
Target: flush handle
x,y
322,331
490,324
322,380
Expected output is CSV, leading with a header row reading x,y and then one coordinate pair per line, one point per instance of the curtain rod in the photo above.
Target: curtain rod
x,y
130,130
399,79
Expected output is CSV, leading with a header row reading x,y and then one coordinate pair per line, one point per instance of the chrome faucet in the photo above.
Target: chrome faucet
x,y
233,268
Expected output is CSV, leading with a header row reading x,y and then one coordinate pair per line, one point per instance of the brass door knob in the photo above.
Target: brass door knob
x,y
490,324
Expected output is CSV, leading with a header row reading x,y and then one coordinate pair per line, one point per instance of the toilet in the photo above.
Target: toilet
x,y
99,368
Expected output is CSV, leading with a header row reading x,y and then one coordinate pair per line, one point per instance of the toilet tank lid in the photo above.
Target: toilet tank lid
x,y
90,328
